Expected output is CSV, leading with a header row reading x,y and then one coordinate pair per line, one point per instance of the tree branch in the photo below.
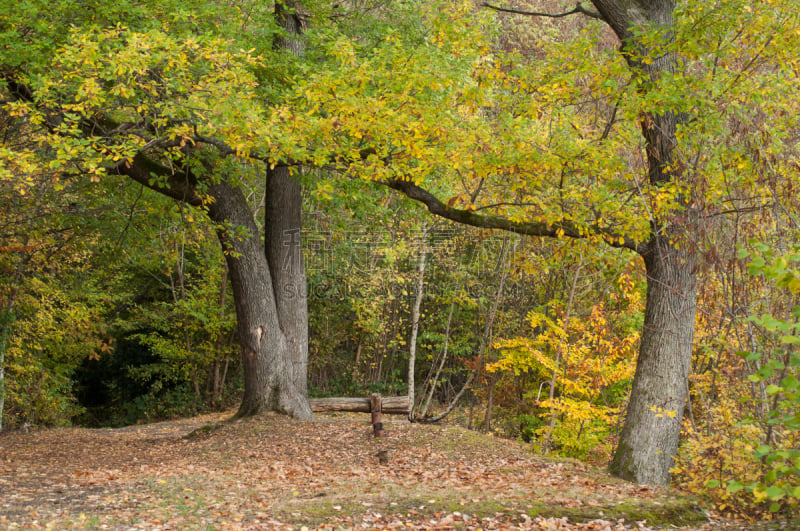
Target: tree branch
x,y
146,171
180,185
578,9
467,217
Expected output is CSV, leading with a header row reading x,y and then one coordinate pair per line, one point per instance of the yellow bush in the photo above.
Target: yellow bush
x,y
717,463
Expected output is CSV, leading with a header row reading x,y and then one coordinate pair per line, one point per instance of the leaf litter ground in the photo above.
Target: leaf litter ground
x,y
272,472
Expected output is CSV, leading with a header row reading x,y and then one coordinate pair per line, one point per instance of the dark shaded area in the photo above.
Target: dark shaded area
x,y
106,389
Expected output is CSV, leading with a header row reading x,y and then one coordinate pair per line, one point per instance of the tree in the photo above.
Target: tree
x,y
628,147
671,247
150,115
144,101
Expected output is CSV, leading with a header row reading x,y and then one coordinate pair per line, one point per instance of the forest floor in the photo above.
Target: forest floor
x,y
272,472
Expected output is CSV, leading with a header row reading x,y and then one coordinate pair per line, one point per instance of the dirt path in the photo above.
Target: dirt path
x,y
275,473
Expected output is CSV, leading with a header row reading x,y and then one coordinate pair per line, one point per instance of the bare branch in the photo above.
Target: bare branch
x,y
578,9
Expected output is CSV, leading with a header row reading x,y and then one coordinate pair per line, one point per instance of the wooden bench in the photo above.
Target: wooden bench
x,y
375,404
391,405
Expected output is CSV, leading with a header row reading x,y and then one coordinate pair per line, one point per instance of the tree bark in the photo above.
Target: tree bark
x,y
283,247
269,350
650,435
290,16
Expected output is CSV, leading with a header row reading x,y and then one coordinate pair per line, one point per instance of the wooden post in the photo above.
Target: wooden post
x,y
377,421
383,457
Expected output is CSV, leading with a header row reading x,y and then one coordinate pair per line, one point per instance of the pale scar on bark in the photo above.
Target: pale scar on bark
x,y
259,333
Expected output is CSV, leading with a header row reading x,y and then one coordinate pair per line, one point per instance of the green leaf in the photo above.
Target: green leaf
x,y
734,487
773,389
751,356
776,365
762,450
765,372
775,492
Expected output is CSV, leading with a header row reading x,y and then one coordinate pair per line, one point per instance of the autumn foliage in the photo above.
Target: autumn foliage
x,y
565,158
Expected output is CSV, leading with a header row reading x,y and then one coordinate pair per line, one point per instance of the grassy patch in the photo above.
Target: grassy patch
x,y
203,431
413,505
678,513
317,511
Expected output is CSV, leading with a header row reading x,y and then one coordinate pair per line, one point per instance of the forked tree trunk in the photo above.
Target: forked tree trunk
x,y
269,282
269,355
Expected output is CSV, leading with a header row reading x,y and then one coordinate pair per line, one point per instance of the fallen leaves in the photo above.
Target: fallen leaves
x,y
275,473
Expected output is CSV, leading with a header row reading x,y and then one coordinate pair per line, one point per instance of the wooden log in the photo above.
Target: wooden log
x,y
395,405
340,404
390,405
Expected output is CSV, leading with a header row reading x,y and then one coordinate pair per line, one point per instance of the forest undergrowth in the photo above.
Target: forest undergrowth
x,y
271,472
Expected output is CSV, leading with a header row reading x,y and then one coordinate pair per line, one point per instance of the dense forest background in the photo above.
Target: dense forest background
x,y
116,304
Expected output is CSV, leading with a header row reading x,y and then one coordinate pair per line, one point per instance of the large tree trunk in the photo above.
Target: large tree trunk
x,y
649,438
283,246
269,350
269,282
